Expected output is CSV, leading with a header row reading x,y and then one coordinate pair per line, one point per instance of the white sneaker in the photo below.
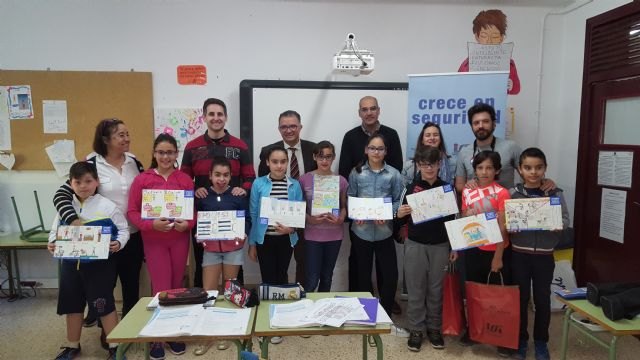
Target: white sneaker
x,y
399,332
276,340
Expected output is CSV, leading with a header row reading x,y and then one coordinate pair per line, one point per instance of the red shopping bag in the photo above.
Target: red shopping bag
x,y
452,306
493,313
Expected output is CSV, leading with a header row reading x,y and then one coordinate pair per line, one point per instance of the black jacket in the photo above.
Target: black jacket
x,y
307,156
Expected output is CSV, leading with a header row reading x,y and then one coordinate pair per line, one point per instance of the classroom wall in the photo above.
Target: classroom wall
x,y
288,40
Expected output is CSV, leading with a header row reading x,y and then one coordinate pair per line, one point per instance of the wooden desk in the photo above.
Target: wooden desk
x,y
10,244
263,330
594,313
126,332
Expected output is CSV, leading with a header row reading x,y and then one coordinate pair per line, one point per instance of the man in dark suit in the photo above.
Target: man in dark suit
x,y
300,162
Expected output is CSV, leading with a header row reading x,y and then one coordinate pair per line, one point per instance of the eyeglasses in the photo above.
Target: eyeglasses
x,y
373,149
288,127
364,109
165,153
324,157
427,165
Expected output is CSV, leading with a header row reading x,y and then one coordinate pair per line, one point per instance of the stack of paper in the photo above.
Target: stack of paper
x,y
333,312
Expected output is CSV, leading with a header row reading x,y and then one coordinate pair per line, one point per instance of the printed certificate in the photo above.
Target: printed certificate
x,y
370,208
533,214
220,225
432,204
286,212
172,204
82,242
474,231
326,195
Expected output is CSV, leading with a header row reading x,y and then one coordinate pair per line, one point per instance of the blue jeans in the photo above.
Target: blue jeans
x,y
320,259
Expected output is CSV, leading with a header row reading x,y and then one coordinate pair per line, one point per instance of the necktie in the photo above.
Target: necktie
x,y
293,167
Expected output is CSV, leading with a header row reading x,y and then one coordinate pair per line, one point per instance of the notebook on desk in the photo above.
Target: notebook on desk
x,y
572,294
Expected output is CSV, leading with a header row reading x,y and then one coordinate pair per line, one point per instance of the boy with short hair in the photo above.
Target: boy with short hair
x,y
89,281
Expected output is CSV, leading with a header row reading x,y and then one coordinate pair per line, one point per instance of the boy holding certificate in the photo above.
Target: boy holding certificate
x,y
532,256
427,254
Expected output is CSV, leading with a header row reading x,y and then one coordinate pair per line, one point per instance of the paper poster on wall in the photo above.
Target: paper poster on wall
x,y
615,168
5,124
183,124
612,214
490,29
192,74
20,104
62,155
489,57
54,116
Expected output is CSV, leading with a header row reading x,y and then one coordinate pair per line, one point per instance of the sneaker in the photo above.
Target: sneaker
x,y
396,309
276,340
202,349
521,354
89,321
112,354
542,351
465,340
399,332
415,341
505,352
68,353
157,351
177,348
222,345
435,338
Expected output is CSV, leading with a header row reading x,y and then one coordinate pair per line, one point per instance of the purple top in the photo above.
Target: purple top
x,y
324,231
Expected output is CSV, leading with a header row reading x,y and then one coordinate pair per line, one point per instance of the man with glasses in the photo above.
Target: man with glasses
x,y
352,152
300,162
199,154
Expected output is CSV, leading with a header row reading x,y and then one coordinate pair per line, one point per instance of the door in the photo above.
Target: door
x,y
613,134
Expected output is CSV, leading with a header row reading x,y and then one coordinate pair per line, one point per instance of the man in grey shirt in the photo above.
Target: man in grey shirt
x,y
482,118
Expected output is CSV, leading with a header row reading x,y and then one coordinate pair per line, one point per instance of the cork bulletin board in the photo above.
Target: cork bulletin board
x,y
91,96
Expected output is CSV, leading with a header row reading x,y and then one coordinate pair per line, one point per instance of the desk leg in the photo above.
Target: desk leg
x,y
613,348
122,349
248,345
264,347
565,333
378,341
15,263
240,347
365,342
146,349
12,290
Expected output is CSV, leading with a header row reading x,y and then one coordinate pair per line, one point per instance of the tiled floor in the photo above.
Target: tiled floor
x,y
30,329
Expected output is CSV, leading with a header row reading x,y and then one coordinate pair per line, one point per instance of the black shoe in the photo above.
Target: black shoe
x,y
415,341
435,337
89,321
505,352
68,353
396,309
465,340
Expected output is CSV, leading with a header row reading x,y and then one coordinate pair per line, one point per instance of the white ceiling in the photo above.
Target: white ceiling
x,y
537,3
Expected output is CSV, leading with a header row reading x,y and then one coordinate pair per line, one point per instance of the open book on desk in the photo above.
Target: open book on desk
x,y
186,320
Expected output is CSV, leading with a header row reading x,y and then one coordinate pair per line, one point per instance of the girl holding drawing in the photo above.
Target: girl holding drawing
x,y
166,241
221,257
374,178
323,232
272,245
488,196
427,254
532,255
